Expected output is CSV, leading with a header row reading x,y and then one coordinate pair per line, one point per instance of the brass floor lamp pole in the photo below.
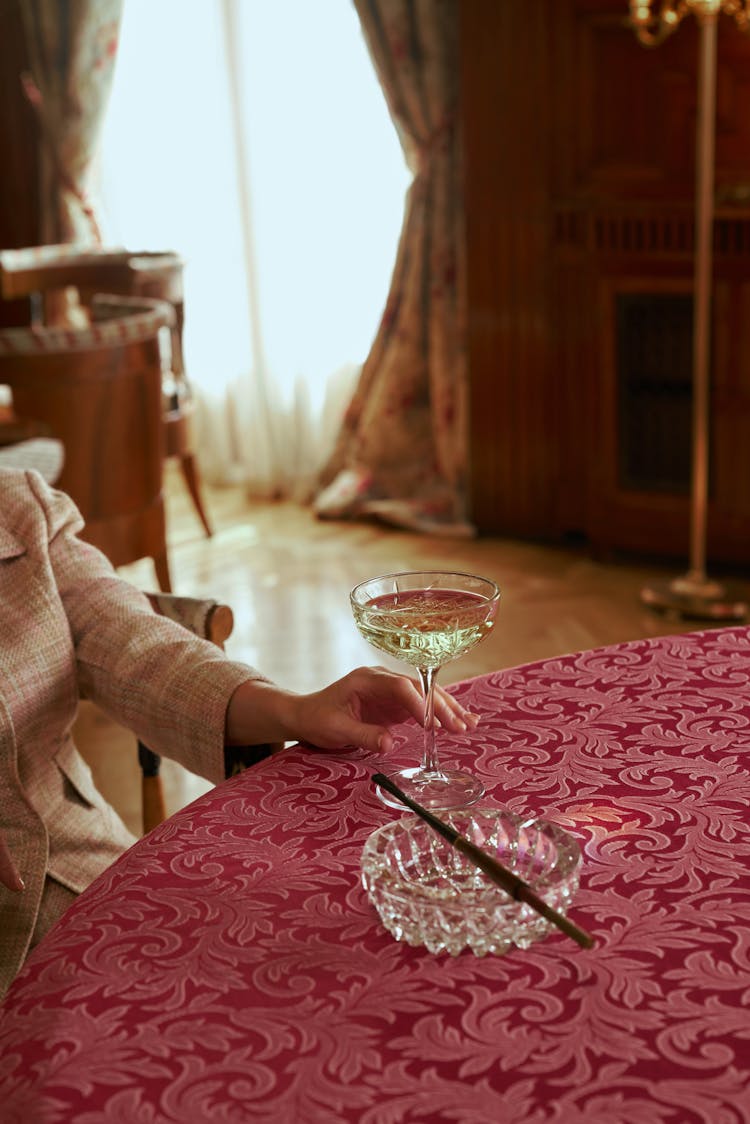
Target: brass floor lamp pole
x,y
694,594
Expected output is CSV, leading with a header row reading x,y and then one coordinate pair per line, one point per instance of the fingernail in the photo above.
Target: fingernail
x,y
20,885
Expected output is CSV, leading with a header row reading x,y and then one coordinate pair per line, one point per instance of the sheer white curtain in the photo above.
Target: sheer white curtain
x,y
252,137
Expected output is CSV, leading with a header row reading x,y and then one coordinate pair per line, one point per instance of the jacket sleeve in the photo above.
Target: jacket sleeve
x,y
148,673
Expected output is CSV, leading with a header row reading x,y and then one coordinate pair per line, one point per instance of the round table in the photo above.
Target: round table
x,y
230,968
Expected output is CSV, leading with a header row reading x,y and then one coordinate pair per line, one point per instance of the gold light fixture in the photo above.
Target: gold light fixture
x,y
653,28
694,594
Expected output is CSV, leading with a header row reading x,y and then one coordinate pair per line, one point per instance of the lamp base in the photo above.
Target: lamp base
x,y
694,597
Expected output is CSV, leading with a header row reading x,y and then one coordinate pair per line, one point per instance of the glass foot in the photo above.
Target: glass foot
x,y
450,788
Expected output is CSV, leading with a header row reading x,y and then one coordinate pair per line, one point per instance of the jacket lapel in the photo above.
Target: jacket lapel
x,y
10,547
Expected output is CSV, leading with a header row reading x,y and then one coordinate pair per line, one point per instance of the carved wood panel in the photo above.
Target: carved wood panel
x,y
601,213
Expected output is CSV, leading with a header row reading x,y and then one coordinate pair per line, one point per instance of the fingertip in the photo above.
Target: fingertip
x,y
384,743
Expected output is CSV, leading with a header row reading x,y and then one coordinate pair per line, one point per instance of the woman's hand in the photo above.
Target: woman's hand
x,y
360,708
9,876
357,710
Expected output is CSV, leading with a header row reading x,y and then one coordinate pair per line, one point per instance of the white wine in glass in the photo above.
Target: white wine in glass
x,y
427,618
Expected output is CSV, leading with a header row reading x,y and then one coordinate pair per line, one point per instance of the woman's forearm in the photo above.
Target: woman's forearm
x,y
260,712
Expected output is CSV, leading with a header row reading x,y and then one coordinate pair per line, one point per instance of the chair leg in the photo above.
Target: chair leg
x,y
152,793
161,565
154,807
189,469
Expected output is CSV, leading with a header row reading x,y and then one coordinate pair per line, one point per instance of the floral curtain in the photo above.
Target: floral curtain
x,y
72,46
401,452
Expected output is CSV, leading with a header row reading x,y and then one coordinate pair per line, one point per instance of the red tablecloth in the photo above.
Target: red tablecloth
x,y
230,968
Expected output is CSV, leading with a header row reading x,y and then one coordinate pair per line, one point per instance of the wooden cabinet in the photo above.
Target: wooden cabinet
x,y
639,480
579,183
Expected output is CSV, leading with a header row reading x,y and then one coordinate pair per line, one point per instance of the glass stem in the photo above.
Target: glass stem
x,y
427,676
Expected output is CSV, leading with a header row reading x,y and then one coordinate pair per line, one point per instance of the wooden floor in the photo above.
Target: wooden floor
x,y
287,578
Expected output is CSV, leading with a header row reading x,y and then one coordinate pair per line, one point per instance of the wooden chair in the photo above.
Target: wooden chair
x,y
98,390
212,621
61,281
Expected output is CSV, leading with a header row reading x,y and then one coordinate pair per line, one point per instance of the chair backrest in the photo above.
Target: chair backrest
x,y
99,391
37,270
62,283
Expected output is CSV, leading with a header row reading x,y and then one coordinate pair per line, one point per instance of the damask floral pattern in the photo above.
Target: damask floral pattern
x,y
230,968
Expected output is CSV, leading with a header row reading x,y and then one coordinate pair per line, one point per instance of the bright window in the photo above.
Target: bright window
x,y
288,269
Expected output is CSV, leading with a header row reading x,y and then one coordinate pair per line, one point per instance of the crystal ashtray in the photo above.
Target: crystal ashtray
x,y
427,893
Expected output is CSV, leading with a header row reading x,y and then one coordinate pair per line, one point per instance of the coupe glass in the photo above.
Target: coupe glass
x,y
427,618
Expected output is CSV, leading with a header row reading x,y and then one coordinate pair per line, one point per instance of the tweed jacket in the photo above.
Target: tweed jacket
x,y
70,628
